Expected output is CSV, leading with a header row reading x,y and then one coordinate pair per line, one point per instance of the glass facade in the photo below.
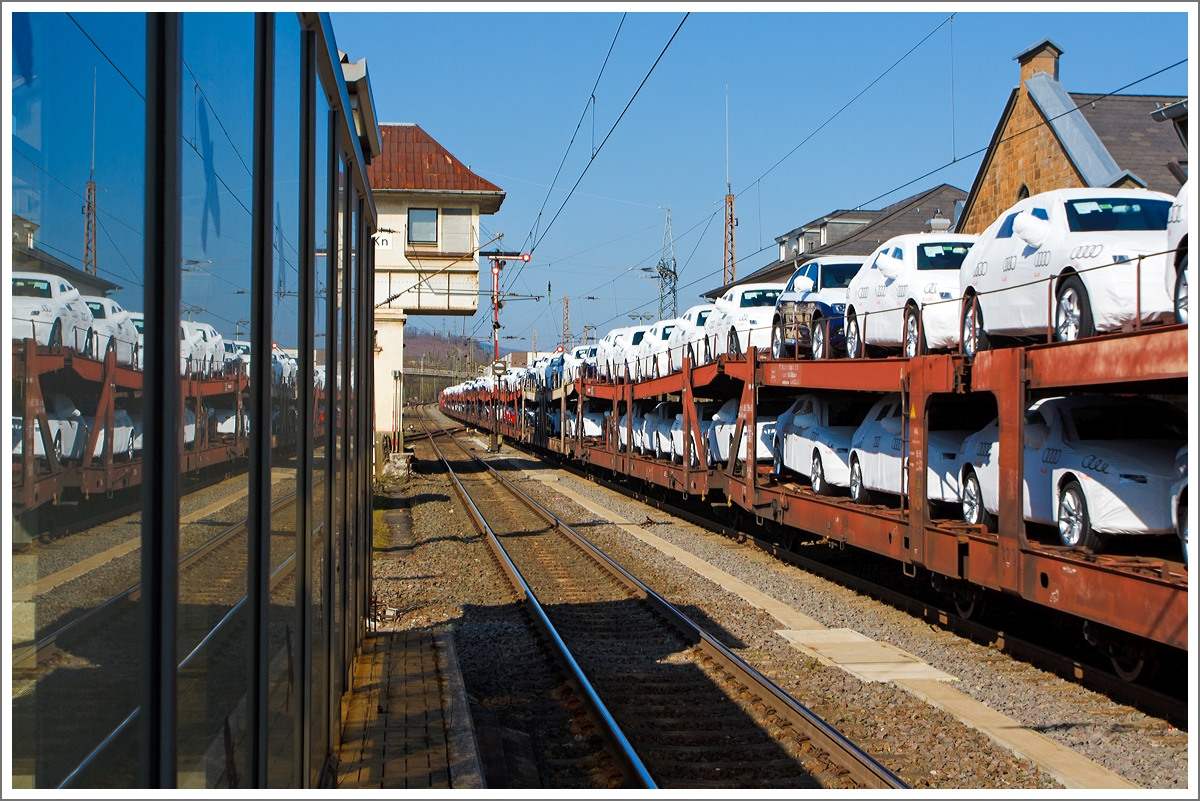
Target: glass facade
x,y
190,520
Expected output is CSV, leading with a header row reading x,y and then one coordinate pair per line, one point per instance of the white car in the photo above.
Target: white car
x,y
656,429
49,310
905,296
724,423
741,319
138,321
653,360
575,365
193,356
879,454
1094,466
1089,240
124,443
704,414
1179,499
594,414
809,314
68,431
625,352
687,338
814,436
623,427
1177,279
111,323
605,350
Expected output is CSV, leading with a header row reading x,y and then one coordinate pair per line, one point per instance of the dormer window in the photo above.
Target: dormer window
x,y
422,226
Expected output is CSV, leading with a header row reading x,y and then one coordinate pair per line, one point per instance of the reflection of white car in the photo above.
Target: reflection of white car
x,y
68,431
193,357
741,319
687,337
724,423
1091,239
879,454
810,312
625,352
653,360
1094,465
138,321
1179,499
594,412
49,310
656,429
111,323
605,350
1177,241
124,443
904,295
704,414
814,437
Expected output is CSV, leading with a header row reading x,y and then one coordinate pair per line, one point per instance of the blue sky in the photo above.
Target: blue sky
x,y
504,92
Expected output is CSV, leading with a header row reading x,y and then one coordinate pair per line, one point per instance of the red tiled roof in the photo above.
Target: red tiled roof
x,y
412,159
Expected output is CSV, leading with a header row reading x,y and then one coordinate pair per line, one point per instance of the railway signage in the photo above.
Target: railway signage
x,y
498,368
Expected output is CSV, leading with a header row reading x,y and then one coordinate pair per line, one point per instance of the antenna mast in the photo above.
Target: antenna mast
x,y
730,273
89,209
566,331
668,280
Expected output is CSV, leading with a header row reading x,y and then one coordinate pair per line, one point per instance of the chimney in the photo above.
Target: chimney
x,y
1039,57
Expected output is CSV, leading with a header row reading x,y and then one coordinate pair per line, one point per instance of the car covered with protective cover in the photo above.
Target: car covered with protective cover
x,y
809,314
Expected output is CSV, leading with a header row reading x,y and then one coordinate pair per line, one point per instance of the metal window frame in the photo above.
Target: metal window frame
x,y
162,397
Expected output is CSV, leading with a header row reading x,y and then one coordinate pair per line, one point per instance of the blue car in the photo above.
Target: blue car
x,y
810,311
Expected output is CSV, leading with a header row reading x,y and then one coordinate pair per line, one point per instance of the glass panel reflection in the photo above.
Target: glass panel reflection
x,y
78,140
218,126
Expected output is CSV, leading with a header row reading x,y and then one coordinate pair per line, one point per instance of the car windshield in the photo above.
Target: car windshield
x,y
1124,422
942,255
140,325
637,338
702,316
759,297
97,310
30,288
838,276
666,332
1117,214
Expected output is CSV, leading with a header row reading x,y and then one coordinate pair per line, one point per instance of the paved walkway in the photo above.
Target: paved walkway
x,y
395,735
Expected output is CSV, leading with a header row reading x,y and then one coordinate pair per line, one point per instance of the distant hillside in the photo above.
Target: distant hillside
x,y
444,352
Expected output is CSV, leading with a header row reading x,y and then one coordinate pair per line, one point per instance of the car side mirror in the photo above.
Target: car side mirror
x,y
71,296
889,265
891,425
807,420
1032,230
1036,435
803,284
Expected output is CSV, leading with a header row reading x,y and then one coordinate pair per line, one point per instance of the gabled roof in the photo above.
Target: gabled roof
x,y
412,161
1136,142
902,217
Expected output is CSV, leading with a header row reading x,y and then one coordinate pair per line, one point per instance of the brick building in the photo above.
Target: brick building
x,y
1048,138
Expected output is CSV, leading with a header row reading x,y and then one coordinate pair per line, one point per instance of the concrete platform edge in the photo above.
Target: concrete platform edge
x,y
466,771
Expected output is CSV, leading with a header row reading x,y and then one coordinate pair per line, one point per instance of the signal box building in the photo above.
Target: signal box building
x,y
426,251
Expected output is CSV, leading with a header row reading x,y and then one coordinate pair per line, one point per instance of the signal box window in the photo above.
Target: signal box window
x,y
422,226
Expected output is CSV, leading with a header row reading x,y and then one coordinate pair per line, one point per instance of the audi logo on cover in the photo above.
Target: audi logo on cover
x,y
1095,464
1086,252
1051,455
1010,264
980,269
1042,259
983,449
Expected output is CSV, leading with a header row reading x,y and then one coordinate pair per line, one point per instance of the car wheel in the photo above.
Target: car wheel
x,y
58,457
733,347
1074,527
55,338
913,346
854,343
1073,312
1181,292
858,491
974,339
973,510
818,334
89,345
129,448
691,354
817,476
778,348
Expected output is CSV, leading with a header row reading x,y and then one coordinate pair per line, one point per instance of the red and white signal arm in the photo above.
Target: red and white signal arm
x,y
560,349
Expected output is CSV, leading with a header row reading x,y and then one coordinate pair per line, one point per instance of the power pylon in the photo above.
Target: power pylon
x,y
668,279
566,329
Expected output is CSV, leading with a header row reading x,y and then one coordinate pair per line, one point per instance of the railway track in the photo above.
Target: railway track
x,y
677,708
1153,701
